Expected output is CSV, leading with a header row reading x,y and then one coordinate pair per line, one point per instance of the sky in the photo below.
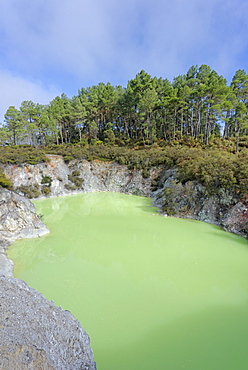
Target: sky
x,y
50,47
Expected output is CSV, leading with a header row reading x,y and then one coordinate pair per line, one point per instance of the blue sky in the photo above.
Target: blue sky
x,y
48,47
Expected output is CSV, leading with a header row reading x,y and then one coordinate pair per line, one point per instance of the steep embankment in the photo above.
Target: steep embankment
x,y
18,219
189,200
192,200
56,178
34,334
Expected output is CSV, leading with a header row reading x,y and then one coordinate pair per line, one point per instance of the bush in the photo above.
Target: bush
x,y
29,191
75,179
45,190
145,173
70,187
47,180
4,182
21,154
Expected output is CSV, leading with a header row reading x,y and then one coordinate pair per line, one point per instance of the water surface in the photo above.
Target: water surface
x,y
152,292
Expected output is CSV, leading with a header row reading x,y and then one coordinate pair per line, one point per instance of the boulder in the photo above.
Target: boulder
x,y
35,334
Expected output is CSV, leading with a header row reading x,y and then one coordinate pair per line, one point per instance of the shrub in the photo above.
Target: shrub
x,y
70,187
145,173
45,190
47,180
29,191
75,179
75,173
15,154
4,182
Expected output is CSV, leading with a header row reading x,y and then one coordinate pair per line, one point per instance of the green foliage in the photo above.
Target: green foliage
x,y
216,170
29,191
4,182
71,187
47,180
75,179
45,190
21,154
76,173
68,158
145,173
193,106
215,165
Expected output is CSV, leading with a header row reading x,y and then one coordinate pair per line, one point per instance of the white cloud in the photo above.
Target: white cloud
x,y
112,40
15,89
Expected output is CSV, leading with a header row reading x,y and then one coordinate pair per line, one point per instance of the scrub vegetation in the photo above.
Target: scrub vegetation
x,y
197,123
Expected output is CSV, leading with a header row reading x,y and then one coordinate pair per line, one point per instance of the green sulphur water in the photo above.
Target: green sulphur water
x,y
152,292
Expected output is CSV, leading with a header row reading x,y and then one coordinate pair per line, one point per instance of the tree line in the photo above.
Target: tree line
x,y
198,105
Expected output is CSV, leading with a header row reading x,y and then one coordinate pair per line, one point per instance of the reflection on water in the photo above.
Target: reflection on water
x,y
152,292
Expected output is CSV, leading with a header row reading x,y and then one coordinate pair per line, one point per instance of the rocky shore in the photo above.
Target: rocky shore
x,y
192,200
188,200
18,219
34,334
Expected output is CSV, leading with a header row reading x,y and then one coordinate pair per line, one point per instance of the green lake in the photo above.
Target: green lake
x,y
152,292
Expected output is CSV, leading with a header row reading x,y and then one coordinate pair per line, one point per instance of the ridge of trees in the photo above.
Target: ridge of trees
x,y
196,106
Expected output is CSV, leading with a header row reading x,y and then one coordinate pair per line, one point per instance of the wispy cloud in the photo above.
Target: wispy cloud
x,y
75,43
15,89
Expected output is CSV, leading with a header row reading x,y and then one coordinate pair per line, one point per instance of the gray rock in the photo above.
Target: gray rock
x,y
189,200
18,218
192,200
235,220
35,334
95,175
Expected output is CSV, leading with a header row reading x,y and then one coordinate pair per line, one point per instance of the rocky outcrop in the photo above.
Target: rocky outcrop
x,y
235,220
192,200
189,200
56,178
18,219
35,334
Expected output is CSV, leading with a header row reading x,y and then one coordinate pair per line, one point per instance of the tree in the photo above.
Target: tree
x,y
4,135
142,97
78,115
239,86
146,106
60,109
14,124
30,114
109,136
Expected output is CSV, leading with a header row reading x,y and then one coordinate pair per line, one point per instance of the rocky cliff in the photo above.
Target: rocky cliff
x,y
55,178
189,200
18,219
192,200
34,333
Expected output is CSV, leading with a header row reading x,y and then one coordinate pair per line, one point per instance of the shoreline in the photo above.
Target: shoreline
x,y
18,220
7,265
33,329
